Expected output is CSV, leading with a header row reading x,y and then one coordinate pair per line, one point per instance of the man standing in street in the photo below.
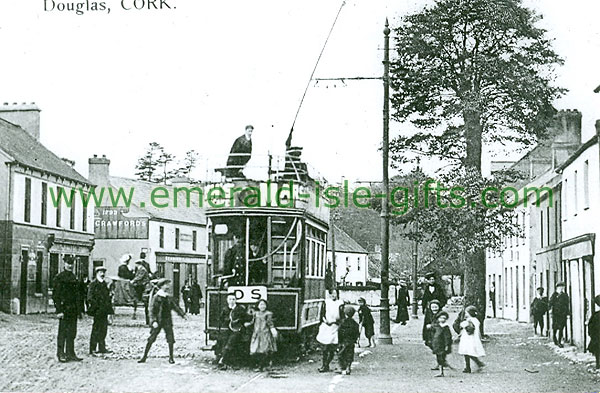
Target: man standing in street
x,y
100,309
68,308
432,290
559,306
492,296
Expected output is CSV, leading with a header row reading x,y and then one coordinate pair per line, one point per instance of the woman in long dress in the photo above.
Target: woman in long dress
x,y
331,316
263,343
402,302
470,340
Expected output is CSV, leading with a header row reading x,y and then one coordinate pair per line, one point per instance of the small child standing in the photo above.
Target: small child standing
x,y
470,340
263,343
348,334
366,321
441,340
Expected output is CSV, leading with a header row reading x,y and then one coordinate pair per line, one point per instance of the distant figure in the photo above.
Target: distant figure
x,y
186,295
66,296
161,308
348,335
366,321
559,305
402,302
146,265
195,298
240,153
432,291
594,333
492,296
470,340
539,308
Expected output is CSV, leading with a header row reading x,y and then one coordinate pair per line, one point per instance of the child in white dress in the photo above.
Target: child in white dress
x,y
470,340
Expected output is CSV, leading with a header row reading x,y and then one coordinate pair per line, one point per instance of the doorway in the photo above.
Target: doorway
x,y
23,289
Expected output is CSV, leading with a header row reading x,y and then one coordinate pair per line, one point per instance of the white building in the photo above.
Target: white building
x,y
352,260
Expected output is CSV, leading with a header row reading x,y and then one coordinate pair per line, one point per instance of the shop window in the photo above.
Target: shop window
x,y
39,263
161,237
44,210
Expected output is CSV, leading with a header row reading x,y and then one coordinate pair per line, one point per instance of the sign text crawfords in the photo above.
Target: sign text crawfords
x,y
113,223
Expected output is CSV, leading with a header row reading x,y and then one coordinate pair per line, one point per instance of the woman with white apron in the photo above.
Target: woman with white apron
x,y
331,316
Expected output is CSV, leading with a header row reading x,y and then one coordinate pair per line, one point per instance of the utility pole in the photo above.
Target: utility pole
x,y
384,313
415,268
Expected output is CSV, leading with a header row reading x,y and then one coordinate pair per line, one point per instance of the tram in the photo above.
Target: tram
x,y
279,227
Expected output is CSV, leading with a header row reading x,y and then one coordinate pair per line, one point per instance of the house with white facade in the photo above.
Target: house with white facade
x,y
351,259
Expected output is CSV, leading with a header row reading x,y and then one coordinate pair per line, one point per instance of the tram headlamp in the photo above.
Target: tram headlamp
x,y
221,229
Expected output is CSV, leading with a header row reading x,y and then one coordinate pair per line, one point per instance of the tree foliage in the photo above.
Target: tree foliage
x,y
153,165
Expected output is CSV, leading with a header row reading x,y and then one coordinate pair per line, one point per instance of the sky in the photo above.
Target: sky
x,y
192,77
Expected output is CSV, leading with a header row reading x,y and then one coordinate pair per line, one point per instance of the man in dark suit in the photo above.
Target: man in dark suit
x,y
240,154
432,290
100,308
559,306
66,296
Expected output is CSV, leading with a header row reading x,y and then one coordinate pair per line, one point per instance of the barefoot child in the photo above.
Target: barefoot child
x,y
348,335
263,343
470,340
441,340
366,321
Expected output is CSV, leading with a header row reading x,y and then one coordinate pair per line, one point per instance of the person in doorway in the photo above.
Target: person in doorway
x,y
432,291
594,333
492,296
470,345
402,302
196,297
331,316
539,308
161,319
100,308
186,295
366,321
66,296
240,153
348,335
559,307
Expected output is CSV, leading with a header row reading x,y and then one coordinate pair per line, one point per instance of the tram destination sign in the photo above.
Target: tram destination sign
x,y
248,294
113,223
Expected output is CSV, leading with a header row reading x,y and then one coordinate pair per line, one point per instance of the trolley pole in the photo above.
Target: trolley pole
x,y
384,314
414,279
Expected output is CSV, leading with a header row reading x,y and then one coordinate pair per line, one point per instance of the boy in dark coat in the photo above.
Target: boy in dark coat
x,y
539,308
100,308
441,340
234,322
348,334
365,318
594,333
160,318
66,296
559,305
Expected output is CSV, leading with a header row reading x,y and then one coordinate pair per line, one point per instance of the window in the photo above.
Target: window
x,y
524,283
84,219
39,263
177,238
194,240
524,228
59,207
161,237
358,263
44,218
505,286
575,193
541,228
565,199
27,210
72,217
512,286
586,186
53,269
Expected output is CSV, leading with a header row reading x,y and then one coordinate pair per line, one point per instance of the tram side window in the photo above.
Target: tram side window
x,y
315,253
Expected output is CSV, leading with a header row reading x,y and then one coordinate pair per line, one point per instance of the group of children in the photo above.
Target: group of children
x,y
438,336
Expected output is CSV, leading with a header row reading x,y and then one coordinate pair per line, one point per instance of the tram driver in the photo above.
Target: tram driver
x,y
235,263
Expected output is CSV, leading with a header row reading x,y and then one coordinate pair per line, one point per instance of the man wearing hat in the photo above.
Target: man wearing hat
x,y
240,154
139,283
432,290
66,297
539,308
124,272
100,308
559,307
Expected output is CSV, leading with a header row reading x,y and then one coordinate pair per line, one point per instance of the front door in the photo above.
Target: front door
x,y
23,291
176,275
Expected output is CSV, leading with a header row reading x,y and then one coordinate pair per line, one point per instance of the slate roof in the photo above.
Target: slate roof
x,y
141,202
343,242
28,151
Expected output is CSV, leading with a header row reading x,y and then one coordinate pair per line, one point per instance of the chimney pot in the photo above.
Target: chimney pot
x,y
6,103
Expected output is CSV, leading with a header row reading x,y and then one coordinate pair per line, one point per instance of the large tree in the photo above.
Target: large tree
x,y
470,72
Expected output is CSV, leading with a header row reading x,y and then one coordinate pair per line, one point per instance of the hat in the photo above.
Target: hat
x,y
538,288
430,275
434,301
69,261
560,284
441,313
139,261
362,299
471,310
125,258
99,269
162,281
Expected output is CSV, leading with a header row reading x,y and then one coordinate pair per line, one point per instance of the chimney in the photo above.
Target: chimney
x,y
98,170
566,135
26,116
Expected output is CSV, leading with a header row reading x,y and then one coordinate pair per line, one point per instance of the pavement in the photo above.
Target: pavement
x,y
516,362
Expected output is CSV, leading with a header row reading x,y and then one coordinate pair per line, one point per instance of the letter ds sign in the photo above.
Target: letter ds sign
x,y
250,294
